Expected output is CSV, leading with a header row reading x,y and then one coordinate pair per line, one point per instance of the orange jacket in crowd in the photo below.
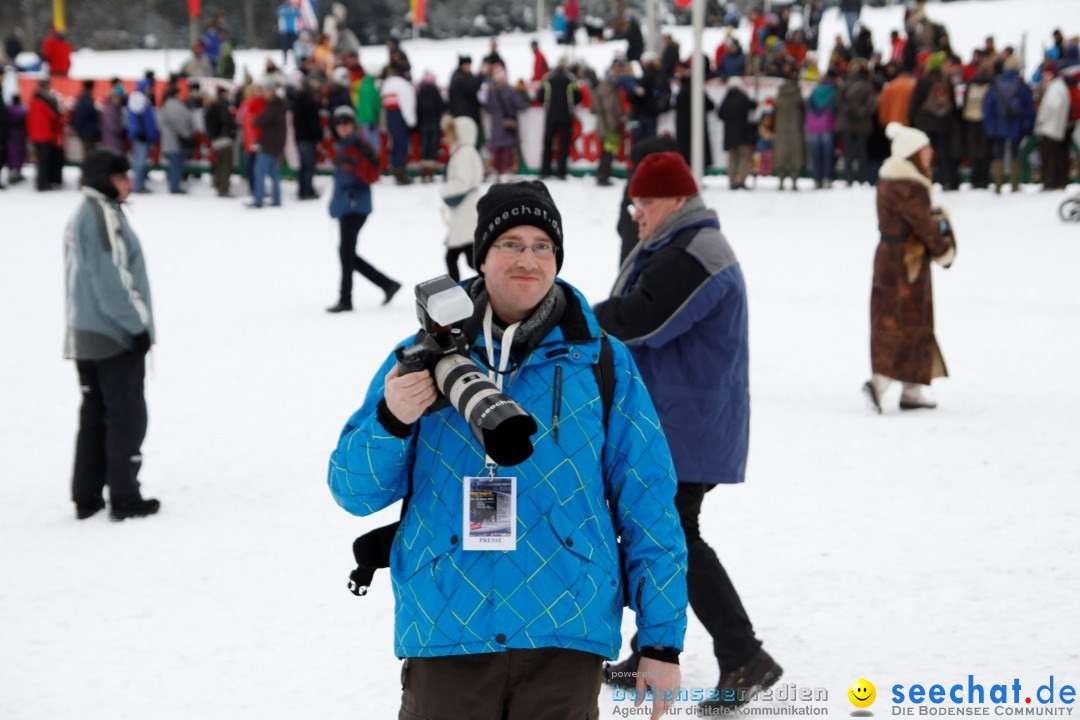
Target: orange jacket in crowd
x,y
895,100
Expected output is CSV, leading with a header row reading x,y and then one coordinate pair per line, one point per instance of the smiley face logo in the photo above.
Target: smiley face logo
x,y
862,693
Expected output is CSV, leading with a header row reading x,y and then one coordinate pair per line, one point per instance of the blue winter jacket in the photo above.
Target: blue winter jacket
x,y
682,312
140,113
581,490
355,167
1008,89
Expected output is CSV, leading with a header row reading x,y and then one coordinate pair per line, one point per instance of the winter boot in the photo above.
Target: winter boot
x,y
401,177
623,674
133,509
997,170
603,172
341,306
737,687
914,398
391,291
875,388
82,512
1014,175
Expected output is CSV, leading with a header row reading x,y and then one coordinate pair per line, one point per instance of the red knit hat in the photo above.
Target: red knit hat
x,y
663,174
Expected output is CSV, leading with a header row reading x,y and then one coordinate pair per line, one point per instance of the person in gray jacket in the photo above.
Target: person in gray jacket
x,y
110,328
177,136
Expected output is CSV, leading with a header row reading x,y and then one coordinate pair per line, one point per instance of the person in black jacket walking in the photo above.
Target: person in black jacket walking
x,y
221,129
309,133
559,94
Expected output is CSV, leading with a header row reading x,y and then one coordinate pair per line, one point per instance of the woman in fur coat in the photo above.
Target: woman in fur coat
x,y
902,343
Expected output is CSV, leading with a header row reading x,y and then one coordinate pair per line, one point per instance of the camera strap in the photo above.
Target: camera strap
x,y
504,360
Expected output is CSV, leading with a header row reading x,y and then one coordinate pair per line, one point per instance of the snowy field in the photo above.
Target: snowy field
x,y
907,548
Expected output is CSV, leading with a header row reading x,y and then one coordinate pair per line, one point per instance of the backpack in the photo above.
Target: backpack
x,y
939,101
1012,107
372,550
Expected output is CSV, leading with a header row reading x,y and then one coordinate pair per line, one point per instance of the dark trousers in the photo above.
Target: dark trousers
x,y
429,142
400,135
112,425
306,176
223,165
452,255
518,684
562,130
977,149
999,146
351,262
712,596
1055,162
46,165
855,151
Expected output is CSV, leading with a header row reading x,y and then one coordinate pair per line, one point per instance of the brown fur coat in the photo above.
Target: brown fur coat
x,y
902,342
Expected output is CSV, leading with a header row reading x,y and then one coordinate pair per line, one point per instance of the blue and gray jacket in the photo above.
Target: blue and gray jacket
x,y
680,306
596,522
106,288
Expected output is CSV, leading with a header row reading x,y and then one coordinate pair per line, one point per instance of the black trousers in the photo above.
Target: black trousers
x,y
452,255
855,151
552,129
1055,162
112,426
45,153
351,262
518,684
712,596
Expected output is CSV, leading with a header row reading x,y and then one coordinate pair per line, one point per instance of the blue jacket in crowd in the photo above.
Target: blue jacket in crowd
x,y
680,306
356,166
582,488
141,122
1009,109
288,18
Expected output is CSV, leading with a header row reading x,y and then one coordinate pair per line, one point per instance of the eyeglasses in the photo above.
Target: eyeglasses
x,y
511,248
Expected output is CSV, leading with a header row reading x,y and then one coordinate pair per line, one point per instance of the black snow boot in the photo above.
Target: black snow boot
x,y
82,512
737,687
133,509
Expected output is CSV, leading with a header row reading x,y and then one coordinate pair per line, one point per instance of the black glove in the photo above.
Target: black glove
x,y
142,343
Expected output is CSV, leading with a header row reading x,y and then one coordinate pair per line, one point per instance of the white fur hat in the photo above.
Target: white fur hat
x,y
906,141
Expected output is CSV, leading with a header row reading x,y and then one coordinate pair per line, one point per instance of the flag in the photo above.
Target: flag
x,y
683,4
419,11
194,8
309,16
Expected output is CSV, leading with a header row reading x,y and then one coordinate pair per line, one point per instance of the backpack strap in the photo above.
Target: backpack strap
x,y
604,369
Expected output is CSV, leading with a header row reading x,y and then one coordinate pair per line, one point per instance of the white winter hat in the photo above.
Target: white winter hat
x,y
906,141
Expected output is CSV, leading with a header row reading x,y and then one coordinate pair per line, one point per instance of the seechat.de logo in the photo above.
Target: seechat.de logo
x,y
862,694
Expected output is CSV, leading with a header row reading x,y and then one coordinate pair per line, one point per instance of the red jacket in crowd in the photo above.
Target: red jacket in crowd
x,y
572,10
540,65
43,122
56,51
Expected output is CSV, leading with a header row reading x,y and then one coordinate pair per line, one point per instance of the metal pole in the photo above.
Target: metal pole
x,y
652,20
697,100
541,15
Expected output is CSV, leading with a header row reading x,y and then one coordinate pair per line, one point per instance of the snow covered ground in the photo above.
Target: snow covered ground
x,y
907,548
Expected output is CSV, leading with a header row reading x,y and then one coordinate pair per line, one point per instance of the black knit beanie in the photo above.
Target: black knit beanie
x,y
99,165
508,205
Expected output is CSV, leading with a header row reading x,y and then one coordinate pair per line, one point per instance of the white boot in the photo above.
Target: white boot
x,y
914,397
875,388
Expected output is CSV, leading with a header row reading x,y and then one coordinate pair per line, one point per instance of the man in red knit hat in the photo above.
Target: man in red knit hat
x,y
679,304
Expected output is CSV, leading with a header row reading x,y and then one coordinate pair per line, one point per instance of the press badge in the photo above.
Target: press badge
x,y
490,513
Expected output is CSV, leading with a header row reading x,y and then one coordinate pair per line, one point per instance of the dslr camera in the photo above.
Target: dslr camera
x,y
501,425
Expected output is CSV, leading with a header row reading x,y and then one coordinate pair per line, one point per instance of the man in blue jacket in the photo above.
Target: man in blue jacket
x,y
679,304
520,632
142,129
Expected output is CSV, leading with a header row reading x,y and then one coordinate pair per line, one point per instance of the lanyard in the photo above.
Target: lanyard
x,y
504,361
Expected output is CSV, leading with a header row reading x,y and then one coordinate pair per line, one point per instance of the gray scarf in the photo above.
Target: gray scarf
x,y
534,327
693,204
